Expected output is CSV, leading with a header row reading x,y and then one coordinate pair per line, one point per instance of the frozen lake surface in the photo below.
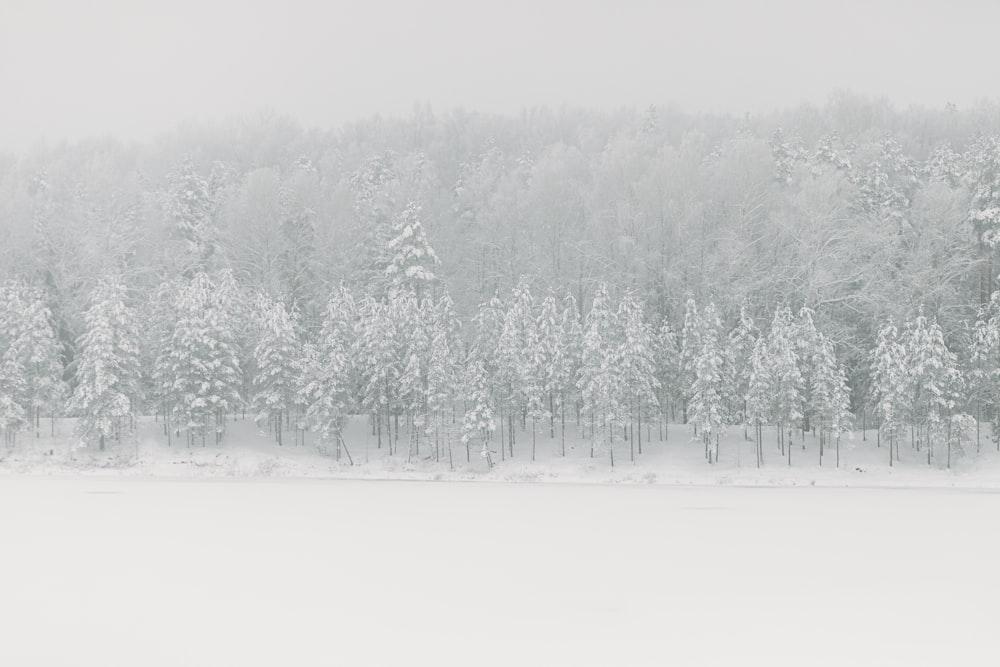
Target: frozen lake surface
x,y
158,572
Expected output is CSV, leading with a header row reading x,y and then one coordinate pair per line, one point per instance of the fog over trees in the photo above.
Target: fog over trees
x,y
816,268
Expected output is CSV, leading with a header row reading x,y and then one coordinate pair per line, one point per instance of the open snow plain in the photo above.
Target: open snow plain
x,y
128,571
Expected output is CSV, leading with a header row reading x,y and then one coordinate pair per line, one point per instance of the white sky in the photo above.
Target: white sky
x,y
134,69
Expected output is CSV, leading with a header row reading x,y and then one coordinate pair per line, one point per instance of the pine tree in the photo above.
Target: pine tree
x,y
808,342
668,370
598,372
738,356
787,382
200,360
328,379
190,206
933,380
637,357
759,391
415,368
831,403
277,357
443,372
706,410
412,260
42,358
13,374
889,383
107,373
690,347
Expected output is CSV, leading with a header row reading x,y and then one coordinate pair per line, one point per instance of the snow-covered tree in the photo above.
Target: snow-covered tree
x,y
739,353
189,204
328,379
786,378
412,260
690,347
598,381
42,358
200,362
758,404
706,411
107,372
637,358
831,400
890,383
933,381
668,369
277,359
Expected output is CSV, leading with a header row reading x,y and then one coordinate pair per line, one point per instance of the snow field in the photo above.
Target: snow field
x,y
152,572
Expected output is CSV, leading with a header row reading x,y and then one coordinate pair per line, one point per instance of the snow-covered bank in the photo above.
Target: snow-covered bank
x,y
246,453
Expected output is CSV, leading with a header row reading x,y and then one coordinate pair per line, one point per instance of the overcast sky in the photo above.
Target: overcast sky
x,y
134,69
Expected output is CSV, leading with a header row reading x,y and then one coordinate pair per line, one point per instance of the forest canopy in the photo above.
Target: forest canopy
x,y
855,210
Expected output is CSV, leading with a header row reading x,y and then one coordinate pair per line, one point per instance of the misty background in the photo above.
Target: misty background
x,y
134,70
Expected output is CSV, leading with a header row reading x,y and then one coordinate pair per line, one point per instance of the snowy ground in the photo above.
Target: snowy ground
x,y
129,571
247,453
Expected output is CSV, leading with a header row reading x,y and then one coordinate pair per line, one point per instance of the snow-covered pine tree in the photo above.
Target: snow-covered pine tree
x,y
786,398
42,358
519,362
668,372
637,356
759,392
375,190
690,347
107,372
705,409
831,401
379,355
739,353
808,343
889,384
550,344
983,375
412,260
327,381
415,366
478,419
443,373
189,205
598,381
481,377
13,375
277,357
200,360
934,382
982,169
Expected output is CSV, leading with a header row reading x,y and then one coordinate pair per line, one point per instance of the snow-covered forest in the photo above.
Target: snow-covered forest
x,y
477,282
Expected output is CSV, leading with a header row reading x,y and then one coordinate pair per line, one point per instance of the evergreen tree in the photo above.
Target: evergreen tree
x,y
739,354
107,372
690,347
277,359
637,356
328,379
706,410
787,382
412,260
190,206
831,401
13,376
200,360
889,383
599,366
758,403
42,358
668,369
